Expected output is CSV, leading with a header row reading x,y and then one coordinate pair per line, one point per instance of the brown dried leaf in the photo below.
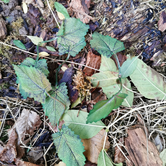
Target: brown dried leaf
x,y
94,145
9,152
162,21
93,61
118,156
81,10
23,163
26,123
136,144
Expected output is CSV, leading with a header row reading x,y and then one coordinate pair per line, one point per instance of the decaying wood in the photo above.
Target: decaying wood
x,y
3,30
142,152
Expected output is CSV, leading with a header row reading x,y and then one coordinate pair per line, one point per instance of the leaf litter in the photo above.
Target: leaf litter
x,y
116,126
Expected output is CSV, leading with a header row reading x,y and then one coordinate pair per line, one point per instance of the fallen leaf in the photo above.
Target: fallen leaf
x,y
162,21
92,61
9,152
163,156
136,144
60,164
19,162
25,8
94,145
81,12
43,54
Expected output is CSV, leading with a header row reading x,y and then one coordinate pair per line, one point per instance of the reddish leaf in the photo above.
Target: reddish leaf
x,y
92,61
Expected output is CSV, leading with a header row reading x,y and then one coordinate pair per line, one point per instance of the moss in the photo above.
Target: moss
x,y
16,25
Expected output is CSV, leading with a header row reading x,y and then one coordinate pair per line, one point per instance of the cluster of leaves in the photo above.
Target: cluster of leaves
x,y
33,82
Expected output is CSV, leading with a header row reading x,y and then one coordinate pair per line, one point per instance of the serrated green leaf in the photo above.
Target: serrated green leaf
x,y
19,44
71,36
60,8
163,157
113,89
6,1
33,82
104,79
35,40
40,64
69,147
148,82
106,45
129,66
104,160
56,105
78,124
104,107
50,48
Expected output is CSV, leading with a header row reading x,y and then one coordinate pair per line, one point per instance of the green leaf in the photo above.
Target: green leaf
x,y
6,1
60,8
40,64
104,159
129,66
148,82
113,89
104,107
104,79
33,82
106,45
107,64
78,124
163,157
50,48
69,147
19,44
71,36
35,40
56,105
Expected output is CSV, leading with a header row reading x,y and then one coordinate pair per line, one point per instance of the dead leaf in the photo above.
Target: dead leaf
x,y
35,154
60,164
118,156
43,54
162,21
94,145
80,10
25,124
93,61
23,163
136,144
9,152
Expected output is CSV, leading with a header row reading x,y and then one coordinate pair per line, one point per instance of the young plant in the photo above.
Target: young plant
x,y
32,79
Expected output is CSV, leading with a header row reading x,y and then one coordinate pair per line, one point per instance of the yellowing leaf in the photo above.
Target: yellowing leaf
x,y
61,16
35,40
24,7
43,54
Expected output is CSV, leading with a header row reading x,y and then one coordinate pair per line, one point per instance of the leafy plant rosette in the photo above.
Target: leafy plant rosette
x,y
32,80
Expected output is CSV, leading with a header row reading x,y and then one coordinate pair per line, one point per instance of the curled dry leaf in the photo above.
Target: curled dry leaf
x,y
94,145
92,61
9,152
162,21
81,9
23,163
25,124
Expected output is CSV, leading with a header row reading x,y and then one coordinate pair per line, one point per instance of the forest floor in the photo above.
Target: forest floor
x,y
136,131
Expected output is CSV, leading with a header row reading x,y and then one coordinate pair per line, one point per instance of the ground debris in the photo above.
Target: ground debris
x,y
141,151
